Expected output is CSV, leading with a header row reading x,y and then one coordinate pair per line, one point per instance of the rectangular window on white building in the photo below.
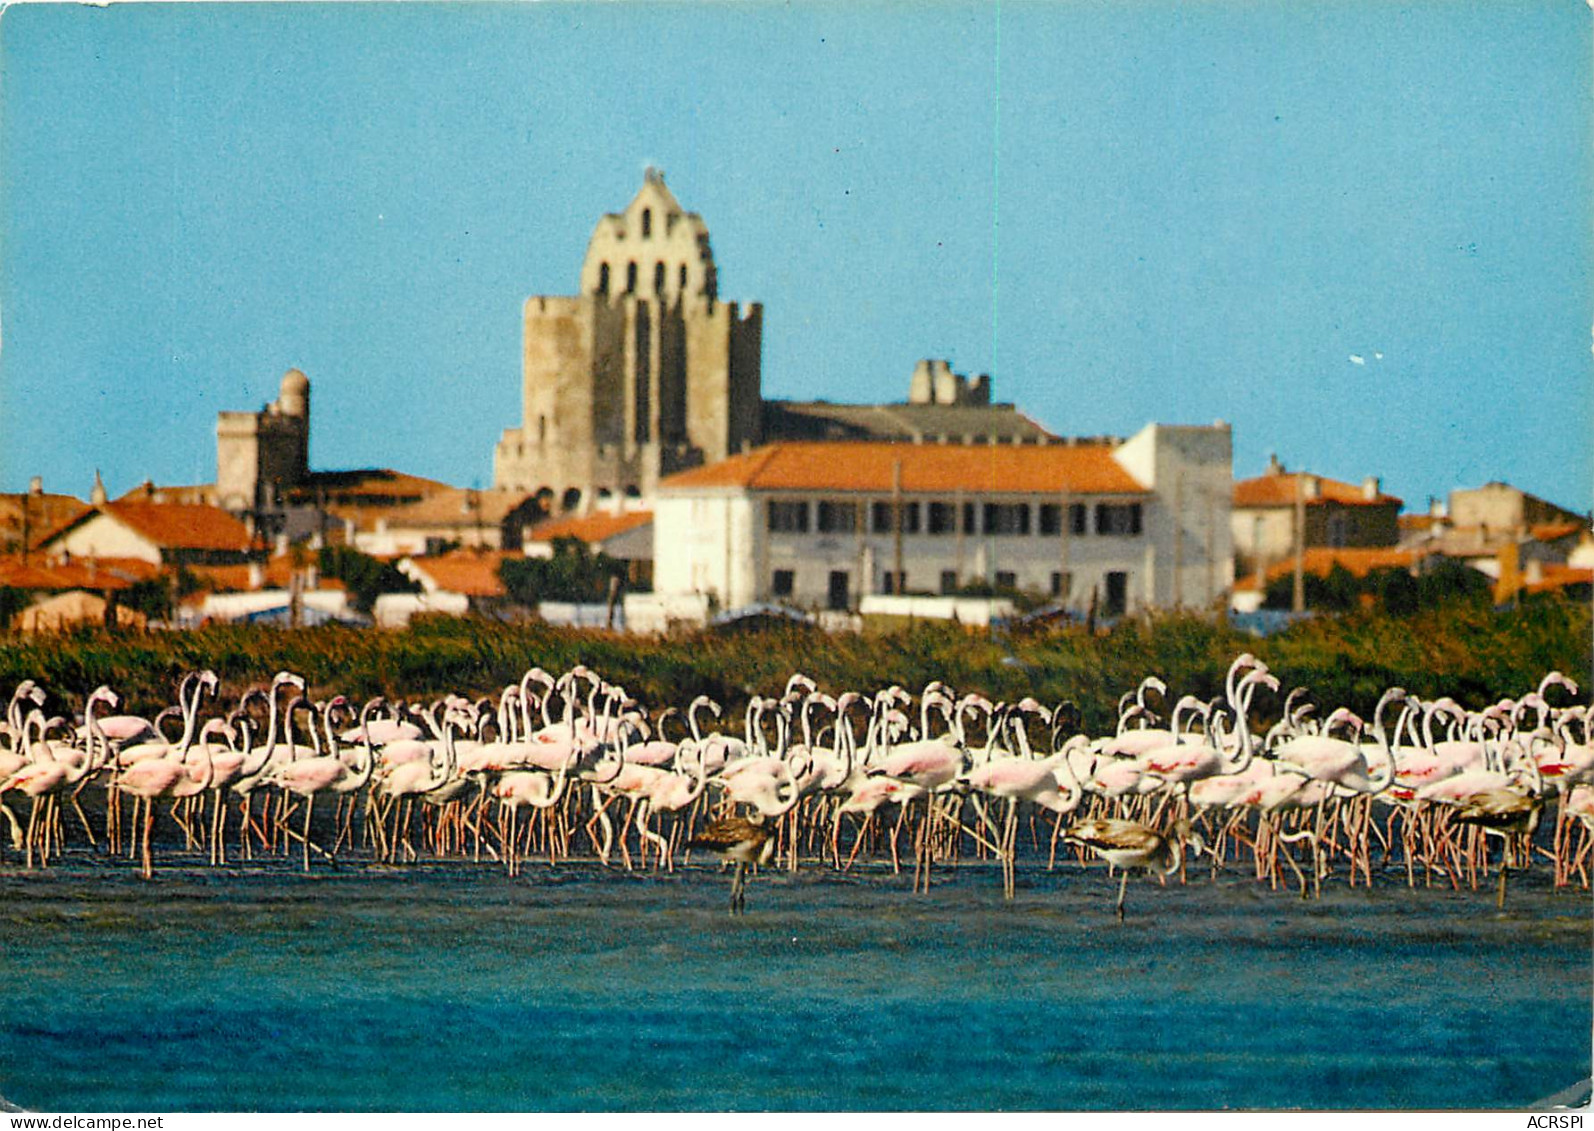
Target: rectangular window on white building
x,y
1118,518
882,518
787,516
1007,518
893,582
949,581
1062,583
837,518
784,583
940,518
1006,579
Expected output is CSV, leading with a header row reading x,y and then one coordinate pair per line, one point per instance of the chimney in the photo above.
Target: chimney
x,y
1311,487
36,485
1371,488
1274,467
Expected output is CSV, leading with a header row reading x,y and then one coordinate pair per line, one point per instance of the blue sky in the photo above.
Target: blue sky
x,y
1124,212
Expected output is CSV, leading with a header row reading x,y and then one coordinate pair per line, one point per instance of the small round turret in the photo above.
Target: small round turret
x,y
294,398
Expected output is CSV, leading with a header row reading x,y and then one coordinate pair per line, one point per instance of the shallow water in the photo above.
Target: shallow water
x,y
450,988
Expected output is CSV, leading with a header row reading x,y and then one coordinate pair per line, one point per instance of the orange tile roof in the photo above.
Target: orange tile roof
x,y
79,573
278,574
1554,531
365,487
1278,490
200,494
44,513
465,571
1087,469
590,528
1320,561
1557,576
446,508
172,526
1416,522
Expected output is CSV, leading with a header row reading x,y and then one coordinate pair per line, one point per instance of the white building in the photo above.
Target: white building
x,y
1129,525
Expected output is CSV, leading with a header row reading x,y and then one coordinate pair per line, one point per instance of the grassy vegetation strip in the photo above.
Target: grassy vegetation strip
x,y
1467,650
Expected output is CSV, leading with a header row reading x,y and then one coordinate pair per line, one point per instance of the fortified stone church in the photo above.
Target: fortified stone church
x,y
646,373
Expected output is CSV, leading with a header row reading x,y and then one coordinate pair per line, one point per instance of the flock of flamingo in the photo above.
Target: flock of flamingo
x,y
546,769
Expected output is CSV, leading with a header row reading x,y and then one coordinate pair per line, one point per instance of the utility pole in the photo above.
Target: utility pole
x,y
957,526
1065,523
1178,541
1298,597
896,526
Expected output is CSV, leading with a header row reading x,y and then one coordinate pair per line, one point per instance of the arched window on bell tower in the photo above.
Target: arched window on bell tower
x,y
630,277
658,278
647,222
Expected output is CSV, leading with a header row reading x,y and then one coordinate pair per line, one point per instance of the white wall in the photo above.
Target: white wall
x,y
102,536
706,544
716,541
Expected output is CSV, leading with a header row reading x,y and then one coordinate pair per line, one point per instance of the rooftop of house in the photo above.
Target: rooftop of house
x,y
171,526
1320,562
274,573
194,494
363,487
1554,576
472,573
59,573
441,507
1280,488
933,423
1087,469
589,528
39,513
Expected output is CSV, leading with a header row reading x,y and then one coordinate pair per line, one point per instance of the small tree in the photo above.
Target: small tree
x,y
1449,580
574,573
366,577
1397,591
12,602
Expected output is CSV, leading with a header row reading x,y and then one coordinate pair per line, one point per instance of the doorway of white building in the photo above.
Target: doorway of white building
x,y
839,595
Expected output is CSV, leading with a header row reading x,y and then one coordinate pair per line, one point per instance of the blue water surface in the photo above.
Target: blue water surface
x,y
432,987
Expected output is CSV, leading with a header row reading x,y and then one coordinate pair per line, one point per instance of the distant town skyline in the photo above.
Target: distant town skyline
x,y
1358,233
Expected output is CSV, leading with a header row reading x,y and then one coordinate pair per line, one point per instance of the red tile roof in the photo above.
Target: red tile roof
x,y
590,528
1278,490
179,526
1555,531
467,572
171,526
1320,561
235,578
79,573
444,508
1556,576
1087,469
44,513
